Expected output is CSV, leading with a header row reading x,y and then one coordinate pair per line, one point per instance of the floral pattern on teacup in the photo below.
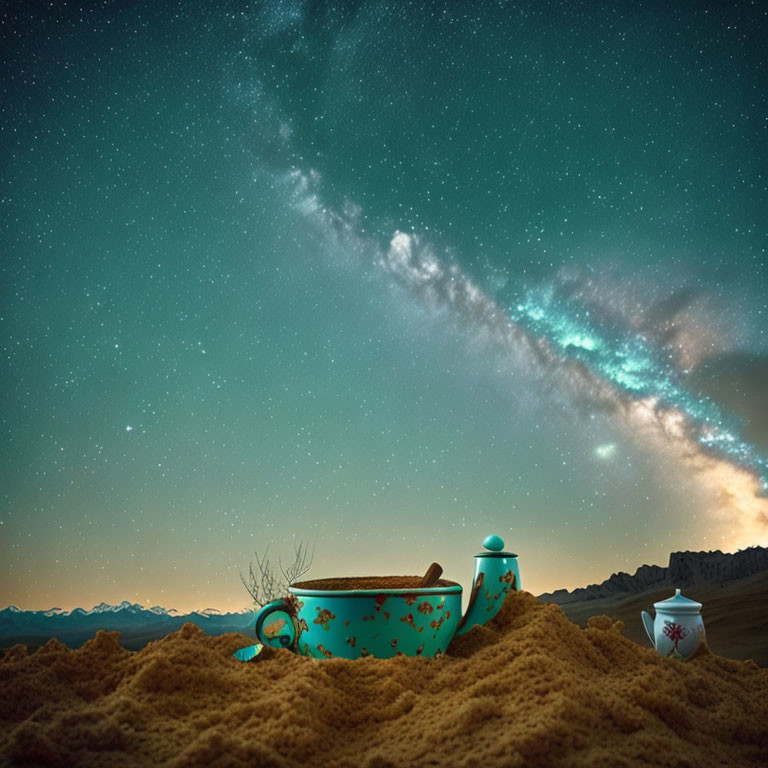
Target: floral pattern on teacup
x,y
324,617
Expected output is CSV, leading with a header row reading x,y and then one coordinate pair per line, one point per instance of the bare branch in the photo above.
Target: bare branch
x,y
265,586
302,562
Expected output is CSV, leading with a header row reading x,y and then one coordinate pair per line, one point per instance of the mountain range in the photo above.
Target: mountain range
x,y
685,569
137,625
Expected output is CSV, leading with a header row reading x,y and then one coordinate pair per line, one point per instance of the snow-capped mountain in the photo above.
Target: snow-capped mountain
x,y
107,608
137,624
132,607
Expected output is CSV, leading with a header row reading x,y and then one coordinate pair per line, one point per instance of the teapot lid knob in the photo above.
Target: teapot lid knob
x,y
494,543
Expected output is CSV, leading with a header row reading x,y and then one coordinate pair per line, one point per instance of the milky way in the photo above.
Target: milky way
x,y
639,371
615,368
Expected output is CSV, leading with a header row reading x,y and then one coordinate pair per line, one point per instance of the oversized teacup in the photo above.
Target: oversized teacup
x,y
386,616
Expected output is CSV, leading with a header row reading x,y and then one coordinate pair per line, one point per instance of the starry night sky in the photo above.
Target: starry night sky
x,y
381,277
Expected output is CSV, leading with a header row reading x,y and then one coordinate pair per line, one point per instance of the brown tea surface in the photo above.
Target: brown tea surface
x,y
370,582
529,689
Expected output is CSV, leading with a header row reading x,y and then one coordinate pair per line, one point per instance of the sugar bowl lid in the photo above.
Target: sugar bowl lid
x,y
677,604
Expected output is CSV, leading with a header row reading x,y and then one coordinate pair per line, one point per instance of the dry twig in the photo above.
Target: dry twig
x,y
264,585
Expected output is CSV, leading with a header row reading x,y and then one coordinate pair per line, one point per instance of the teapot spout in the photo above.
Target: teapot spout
x,y
496,573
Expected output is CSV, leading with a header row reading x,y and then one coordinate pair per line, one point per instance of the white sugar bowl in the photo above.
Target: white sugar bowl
x,y
677,631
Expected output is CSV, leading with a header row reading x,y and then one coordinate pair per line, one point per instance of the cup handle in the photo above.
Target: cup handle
x,y
285,634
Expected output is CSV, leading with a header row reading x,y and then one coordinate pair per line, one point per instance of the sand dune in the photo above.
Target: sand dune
x,y
529,689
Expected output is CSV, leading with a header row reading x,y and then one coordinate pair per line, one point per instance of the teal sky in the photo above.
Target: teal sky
x,y
382,278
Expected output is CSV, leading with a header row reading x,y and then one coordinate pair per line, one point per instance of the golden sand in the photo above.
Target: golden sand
x,y
528,689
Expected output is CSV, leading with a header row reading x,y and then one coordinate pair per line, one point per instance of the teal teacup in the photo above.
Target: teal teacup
x,y
363,616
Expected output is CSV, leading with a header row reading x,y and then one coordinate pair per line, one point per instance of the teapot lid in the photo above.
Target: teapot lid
x,y
677,604
494,546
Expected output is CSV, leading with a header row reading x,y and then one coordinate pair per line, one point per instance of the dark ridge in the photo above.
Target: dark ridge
x,y
684,570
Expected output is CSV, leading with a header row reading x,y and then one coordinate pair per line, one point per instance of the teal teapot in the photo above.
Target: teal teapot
x,y
384,616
